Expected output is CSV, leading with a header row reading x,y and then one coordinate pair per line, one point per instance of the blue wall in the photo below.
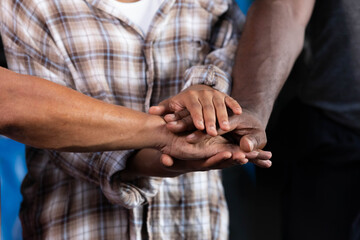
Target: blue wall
x,y
12,172
244,4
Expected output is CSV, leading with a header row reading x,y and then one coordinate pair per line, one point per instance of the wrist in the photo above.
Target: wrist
x,y
258,106
158,134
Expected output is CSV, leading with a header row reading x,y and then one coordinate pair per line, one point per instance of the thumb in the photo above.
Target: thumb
x,y
162,109
252,141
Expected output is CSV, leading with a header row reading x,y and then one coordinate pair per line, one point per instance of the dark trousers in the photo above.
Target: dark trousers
x,y
321,162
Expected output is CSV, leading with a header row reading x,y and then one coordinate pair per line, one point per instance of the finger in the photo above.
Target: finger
x,y
166,106
183,125
184,166
157,110
196,137
247,143
170,118
217,159
209,114
240,157
264,155
166,160
233,124
233,105
177,115
260,158
195,109
259,154
250,142
262,163
162,108
221,113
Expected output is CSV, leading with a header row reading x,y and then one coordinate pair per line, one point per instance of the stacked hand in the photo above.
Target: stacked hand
x,y
194,142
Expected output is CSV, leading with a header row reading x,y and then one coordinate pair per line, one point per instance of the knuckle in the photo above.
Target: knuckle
x,y
219,94
192,93
203,93
174,105
219,99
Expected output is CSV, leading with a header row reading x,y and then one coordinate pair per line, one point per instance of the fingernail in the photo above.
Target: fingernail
x,y
201,123
191,136
225,122
213,130
251,145
173,123
242,161
171,116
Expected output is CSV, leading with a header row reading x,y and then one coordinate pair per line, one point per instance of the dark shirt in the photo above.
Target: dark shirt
x,y
332,53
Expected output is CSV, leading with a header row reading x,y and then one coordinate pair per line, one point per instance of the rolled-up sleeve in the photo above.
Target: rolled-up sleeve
x,y
217,67
101,168
28,53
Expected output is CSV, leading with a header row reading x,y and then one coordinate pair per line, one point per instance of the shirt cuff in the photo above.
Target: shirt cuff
x,y
129,194
209,75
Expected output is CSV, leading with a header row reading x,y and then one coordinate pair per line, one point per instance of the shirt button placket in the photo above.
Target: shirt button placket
x,y
148,47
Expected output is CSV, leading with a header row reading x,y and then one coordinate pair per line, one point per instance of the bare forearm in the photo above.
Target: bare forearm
x,y
272,40
46,115
145,163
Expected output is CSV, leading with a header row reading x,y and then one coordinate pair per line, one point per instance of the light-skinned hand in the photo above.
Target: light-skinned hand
x,y
206,106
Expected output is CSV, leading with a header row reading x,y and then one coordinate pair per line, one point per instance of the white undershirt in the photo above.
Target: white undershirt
x,y
141,13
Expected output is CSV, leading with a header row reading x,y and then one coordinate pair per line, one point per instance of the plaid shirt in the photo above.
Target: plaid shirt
x,y
88,45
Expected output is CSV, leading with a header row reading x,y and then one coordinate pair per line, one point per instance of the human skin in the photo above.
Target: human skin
x,y
240,126
271,41
162,165
43,114
182,121
205,105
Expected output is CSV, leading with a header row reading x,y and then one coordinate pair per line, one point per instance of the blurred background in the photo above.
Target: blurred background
x,y
253,194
